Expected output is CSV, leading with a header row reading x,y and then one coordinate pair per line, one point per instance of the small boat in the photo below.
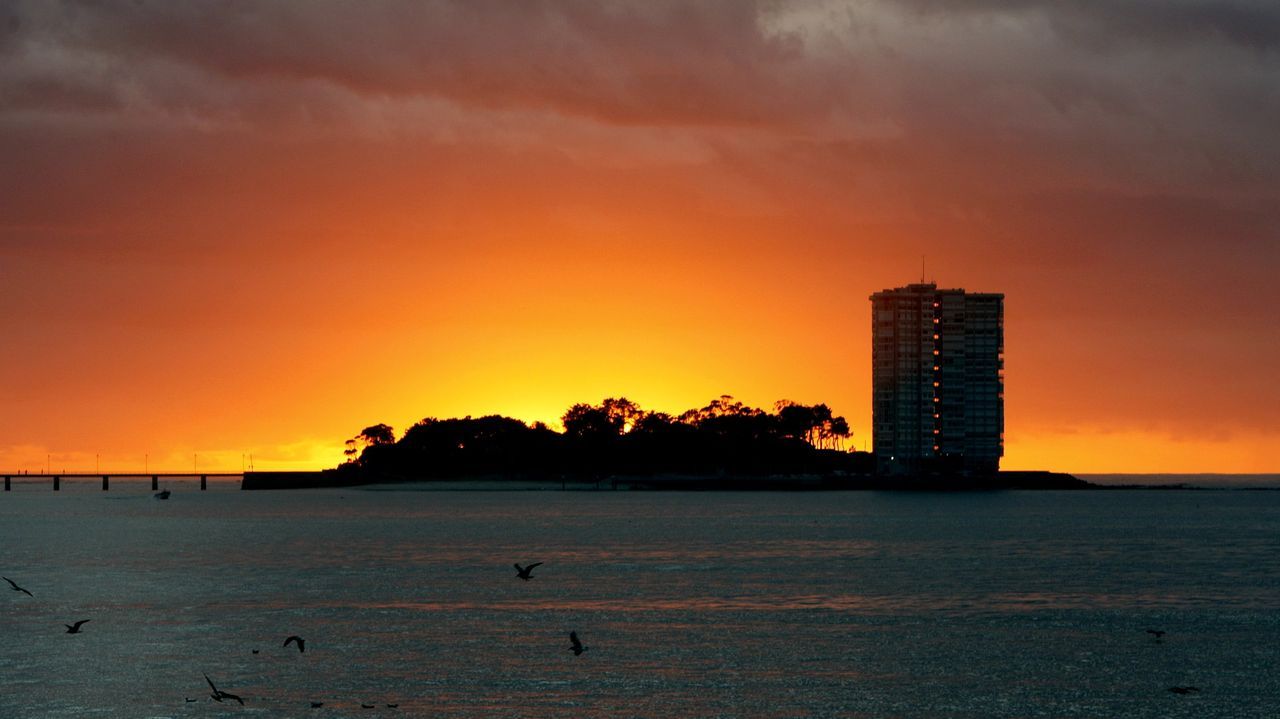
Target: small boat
x,y
162,494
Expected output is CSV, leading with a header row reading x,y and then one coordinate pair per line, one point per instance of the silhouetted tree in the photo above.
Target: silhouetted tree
x,y
372,436
613,416
838,430
723,406
623,413
814,424
377,434
583,421
653,423
796,421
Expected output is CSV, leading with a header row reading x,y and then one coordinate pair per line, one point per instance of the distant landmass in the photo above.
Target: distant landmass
x,y
619,445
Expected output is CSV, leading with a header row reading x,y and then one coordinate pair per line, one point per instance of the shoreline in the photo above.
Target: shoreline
x,y
275,481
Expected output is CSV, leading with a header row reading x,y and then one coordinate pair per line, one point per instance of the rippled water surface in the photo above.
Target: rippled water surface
x,y
860,604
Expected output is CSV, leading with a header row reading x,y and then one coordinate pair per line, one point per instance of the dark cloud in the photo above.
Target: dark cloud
x,y
1105,23
1252,24
1115,75
965,103
657,62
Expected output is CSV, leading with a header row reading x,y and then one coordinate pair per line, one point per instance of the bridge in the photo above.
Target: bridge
x,y
106,478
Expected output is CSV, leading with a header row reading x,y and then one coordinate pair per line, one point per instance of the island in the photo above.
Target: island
x,y
616,444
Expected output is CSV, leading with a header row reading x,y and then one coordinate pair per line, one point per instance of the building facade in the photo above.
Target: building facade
x,y
937,374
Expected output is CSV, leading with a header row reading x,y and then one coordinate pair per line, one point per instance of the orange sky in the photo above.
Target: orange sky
x,y
258,230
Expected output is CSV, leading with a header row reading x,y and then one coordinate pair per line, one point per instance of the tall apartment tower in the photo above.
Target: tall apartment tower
x,y
937,373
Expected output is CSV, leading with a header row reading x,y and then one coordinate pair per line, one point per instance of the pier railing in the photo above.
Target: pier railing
x,y
106,478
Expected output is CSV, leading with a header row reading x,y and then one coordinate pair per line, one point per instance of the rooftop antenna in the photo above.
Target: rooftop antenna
x,y
922,269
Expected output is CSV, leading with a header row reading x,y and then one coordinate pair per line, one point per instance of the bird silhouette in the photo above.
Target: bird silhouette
x,y
393,706
1184,690
218,695
1157,633
255,651
524,572
16,588
75,628
316,705
576,647
302,643
367,706
189,699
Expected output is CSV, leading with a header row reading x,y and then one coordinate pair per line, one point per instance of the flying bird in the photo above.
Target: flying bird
x,y
189,700
226,695
316,705
302,643
393,706
75,628
524,572
576,647
367,706
1157,633
255,651
16,588
218,695
1184,690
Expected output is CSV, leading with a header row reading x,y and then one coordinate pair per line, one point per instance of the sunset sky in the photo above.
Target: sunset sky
x,y
254,228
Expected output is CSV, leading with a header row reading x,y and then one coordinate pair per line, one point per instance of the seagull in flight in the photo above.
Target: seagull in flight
x,y
576,647
1157,633
16,588
316,705
1184,690
218,695
75,628
524,572
302,643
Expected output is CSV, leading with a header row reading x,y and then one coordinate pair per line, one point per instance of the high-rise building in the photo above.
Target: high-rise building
x,y
937,373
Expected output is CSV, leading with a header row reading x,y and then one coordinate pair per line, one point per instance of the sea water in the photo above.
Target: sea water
x,y
855,604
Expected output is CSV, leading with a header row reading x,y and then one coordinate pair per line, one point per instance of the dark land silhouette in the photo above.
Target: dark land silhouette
x,y
618,444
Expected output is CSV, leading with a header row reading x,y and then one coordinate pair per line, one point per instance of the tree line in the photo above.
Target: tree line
x,y
615,437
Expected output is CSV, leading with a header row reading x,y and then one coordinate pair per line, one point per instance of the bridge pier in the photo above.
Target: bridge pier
x,y
155,483
105,482
204,482
57,483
